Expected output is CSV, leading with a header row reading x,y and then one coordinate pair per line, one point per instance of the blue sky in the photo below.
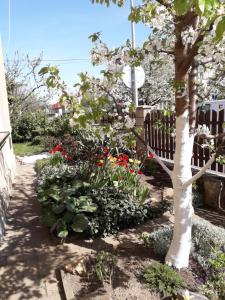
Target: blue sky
x,y
60,29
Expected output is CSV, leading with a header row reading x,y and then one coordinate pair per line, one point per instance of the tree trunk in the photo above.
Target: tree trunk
x,y
178,254
179,251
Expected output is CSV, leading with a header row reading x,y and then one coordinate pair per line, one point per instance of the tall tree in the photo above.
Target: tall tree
x,y
191,33
26,89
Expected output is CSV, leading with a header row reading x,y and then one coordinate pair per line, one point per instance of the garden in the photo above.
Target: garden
x,y
93,185
93,189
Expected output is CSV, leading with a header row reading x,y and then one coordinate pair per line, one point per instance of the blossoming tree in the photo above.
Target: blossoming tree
x,y
192,32
189,31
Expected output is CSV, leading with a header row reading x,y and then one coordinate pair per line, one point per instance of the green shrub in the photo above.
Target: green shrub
x,y
150,166
66,201
28,125
53,160
214,288
205,238
163,279
117,209
60,188
104,266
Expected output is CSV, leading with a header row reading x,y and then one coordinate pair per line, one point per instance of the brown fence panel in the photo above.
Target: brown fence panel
x,y
163,143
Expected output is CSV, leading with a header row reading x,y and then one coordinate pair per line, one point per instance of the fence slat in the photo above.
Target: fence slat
x,y
163,143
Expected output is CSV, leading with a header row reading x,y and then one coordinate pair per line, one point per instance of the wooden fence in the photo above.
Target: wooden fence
x,y
158,128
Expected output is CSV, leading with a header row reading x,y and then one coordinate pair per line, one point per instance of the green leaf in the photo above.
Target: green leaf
x,y
220,30
201,5
43,71
94,37
63,234
58,209
48,217
80,223
180,7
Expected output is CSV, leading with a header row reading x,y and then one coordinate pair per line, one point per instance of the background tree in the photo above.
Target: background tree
x,y
26,89
27,96
190,31
183,30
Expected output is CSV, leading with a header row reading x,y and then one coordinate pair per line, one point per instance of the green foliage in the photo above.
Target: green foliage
x,y
104,266
214,288
107,2
205,238
26,126
118,210
53,160
66,201
59,126
122,175
163,279
65,192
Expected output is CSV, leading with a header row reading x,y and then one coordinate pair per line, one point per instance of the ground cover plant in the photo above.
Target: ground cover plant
x,y
207,251
22,149
163,279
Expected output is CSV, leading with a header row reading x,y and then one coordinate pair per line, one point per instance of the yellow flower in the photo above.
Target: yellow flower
x,y
131,160
101,161
137,162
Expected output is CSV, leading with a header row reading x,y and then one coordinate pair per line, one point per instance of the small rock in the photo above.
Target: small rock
x,y
168,194
80,266
193,296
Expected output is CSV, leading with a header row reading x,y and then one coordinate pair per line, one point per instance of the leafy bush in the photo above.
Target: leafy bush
x,y
214,288
64,191
28,125
66,201
104,266
205,238
122,173
163,279
54,160
118,210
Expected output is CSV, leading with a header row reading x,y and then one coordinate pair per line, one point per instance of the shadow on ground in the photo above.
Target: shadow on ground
x,y
29,255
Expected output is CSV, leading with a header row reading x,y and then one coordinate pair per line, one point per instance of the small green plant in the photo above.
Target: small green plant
x,y
145,239
163,279
105,266
214,288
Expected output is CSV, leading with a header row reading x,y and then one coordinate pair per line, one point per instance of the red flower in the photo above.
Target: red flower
x,y
124,157
63,152
122,163
69,157
55,149
140,172
131,171
150,155
99,164
106,151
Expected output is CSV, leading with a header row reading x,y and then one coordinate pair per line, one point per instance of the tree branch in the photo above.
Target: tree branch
x,y
200,173
212,137
167,170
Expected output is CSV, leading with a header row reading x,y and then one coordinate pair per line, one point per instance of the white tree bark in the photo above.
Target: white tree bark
x,y
179,251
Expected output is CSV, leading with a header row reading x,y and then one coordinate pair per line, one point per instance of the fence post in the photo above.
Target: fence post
x,y
141,112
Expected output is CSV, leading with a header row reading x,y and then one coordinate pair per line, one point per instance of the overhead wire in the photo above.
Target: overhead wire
x,y
9,25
